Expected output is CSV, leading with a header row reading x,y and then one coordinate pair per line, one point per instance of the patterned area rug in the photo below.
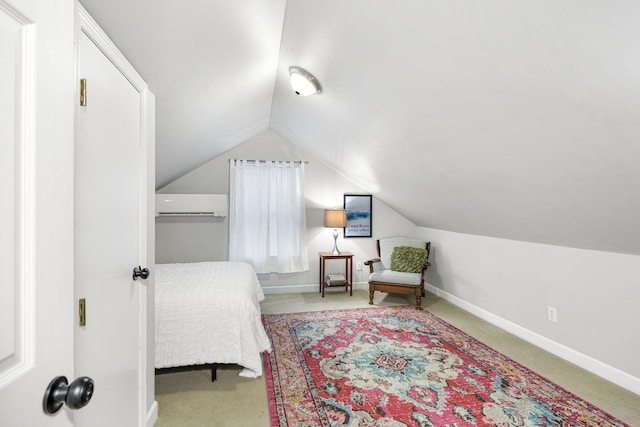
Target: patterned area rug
x,y
396,366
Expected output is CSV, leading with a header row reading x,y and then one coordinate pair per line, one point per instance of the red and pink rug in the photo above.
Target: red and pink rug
x,y
397,366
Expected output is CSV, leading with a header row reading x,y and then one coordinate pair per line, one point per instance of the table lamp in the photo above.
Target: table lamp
x,y
335,218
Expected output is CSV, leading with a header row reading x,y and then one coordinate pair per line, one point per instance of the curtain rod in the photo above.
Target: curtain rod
x,y
264,161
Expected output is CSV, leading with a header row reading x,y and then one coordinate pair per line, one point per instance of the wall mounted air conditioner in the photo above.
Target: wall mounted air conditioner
x,y
191,205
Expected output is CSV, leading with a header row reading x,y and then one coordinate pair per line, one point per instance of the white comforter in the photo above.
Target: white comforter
x,y
209,312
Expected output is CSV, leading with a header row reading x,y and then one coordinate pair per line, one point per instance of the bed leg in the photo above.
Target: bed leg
x,y
214,375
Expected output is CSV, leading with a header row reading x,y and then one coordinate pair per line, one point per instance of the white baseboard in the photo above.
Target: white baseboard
x,y
152,414
592,365
292,289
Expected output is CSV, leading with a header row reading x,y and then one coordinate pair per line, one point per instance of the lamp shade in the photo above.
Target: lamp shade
x,y
335,218
302,82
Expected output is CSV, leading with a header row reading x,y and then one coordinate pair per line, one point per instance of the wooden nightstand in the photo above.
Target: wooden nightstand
x,y
348,274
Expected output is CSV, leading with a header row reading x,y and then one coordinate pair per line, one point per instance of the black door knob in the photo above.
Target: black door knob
x,y
140,272
76,395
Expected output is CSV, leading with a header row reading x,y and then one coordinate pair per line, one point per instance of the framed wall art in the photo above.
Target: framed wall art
x,y
358,207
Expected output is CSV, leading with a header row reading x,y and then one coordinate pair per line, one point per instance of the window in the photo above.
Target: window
x,y
267,223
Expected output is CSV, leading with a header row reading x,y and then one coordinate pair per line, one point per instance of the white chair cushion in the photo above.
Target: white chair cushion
x,y
399,277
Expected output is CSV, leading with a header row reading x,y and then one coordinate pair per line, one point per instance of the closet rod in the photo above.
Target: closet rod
x,y
264,161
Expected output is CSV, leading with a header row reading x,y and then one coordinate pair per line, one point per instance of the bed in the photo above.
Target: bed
x,y
208,313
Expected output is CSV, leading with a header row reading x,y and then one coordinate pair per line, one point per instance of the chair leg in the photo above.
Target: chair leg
x,y
418,300
371,291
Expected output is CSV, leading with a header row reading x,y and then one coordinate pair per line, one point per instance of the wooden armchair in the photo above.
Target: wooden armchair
x,y
409,261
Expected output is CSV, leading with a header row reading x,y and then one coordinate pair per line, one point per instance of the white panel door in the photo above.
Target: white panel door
x,y
108,241
36,207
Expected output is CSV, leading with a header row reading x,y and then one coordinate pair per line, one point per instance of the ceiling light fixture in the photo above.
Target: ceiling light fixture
x,y
303,82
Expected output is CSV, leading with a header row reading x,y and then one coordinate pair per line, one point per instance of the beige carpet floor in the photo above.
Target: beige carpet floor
x,y
190,399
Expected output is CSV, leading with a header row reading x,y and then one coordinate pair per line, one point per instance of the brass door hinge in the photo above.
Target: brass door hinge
x,y
83,92
82,311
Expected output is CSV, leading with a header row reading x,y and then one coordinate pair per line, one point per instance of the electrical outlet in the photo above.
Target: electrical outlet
x,y
552,314
358,266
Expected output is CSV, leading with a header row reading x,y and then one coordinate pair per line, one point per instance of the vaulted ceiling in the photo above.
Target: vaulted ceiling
x,y
517,120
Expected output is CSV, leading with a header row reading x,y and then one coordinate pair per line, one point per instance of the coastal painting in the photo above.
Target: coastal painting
x,y
358,207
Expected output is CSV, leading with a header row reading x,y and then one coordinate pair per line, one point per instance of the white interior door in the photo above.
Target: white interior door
x,y
36,199
109,240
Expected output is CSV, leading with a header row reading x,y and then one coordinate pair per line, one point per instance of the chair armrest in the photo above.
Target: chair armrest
x,y
426,265
370,263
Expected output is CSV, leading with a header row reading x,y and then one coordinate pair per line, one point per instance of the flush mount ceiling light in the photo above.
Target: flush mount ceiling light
x,y
303,82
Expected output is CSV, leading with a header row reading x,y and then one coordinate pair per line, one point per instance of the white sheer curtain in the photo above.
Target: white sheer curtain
x,y
267,223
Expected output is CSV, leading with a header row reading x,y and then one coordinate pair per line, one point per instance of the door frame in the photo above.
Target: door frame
x,y
148,407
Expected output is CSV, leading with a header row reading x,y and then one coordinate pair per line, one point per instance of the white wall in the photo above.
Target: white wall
x,y
206,239
511,283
